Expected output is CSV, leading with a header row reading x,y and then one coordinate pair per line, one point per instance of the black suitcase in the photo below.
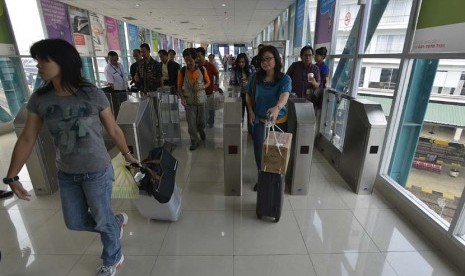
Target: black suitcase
x,y
270,195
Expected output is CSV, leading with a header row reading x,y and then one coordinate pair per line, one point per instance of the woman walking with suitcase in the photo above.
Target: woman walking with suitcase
x,y
267,95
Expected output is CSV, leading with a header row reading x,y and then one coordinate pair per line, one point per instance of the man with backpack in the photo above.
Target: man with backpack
x,y
214,77
192,82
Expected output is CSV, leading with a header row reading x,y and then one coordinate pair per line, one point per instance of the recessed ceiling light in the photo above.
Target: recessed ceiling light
x,y
137,5
223,5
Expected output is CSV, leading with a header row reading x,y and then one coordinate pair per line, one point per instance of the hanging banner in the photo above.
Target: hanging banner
x,y
133,34
438,27
141,35
324,24
81,30
7,44
163,40
299,23
176,45
97,23
155,41
169,40
56,20
112,34
215,49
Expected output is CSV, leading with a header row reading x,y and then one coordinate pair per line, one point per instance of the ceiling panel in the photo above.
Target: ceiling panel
x,y
238,22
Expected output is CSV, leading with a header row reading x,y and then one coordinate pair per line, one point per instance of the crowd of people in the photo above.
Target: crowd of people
x,y
75,110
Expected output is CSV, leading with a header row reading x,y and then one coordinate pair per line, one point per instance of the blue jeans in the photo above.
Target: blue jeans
x,y
86,203
258,136
211,118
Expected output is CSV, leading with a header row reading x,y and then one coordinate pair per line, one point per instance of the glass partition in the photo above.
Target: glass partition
x,y
334,117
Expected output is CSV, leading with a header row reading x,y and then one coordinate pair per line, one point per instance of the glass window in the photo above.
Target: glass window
x,y
436,176
389,36
30,72
13,92
348,11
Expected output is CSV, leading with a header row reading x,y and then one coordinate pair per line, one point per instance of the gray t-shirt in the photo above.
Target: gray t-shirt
x,y
74,123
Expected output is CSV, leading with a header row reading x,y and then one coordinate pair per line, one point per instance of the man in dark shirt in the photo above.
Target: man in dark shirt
x,y
133,69
256,59
149,71
169,71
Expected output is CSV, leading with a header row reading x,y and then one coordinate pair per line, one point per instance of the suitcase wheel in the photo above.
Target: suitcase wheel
x,y
276,219
259,216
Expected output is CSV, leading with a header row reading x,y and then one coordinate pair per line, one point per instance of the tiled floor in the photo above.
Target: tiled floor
x,y
331,231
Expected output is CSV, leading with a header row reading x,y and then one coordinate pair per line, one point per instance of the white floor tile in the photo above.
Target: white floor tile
x,y
206,171
321,195
33,265
389,231
141,236
354,201
194,266
200,233
425,263
352,264
263,237
132,266
333,231
273,265
248,201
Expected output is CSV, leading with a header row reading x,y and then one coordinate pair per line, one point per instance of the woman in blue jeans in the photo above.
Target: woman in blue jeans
x,y
267,94
74,111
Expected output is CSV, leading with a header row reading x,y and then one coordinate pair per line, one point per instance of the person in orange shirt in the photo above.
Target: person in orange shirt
x,y
192,82
214,76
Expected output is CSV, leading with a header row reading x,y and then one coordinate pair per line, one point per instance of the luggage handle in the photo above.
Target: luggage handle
x,y
269,124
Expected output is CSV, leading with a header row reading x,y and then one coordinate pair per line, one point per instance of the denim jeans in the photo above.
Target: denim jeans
x,y
86,203
258,136
211,118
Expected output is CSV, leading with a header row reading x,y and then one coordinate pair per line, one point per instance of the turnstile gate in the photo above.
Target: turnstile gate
x,y
301,123
232,147
41,164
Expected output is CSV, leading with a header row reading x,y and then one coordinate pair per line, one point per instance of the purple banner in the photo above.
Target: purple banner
x,y
176,45
324,23
56,20
112,35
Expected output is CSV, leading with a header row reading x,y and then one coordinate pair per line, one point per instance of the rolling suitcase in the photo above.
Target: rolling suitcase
x,y
270,195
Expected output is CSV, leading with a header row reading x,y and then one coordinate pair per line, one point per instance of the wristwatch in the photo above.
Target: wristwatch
x,y
7,180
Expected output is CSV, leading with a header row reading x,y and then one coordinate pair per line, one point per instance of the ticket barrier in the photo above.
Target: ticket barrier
x,y
41,164
301,123
136,121
232,147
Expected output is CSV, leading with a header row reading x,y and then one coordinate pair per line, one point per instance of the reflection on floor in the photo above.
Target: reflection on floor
x,y
331,231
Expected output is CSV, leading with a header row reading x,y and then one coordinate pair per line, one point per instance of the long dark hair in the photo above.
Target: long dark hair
x,y
67,58
246,66
278,63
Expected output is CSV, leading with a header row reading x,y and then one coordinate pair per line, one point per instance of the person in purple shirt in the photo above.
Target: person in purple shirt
x,y
305,75
320,55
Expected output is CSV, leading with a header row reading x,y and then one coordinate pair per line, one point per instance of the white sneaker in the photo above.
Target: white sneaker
x,y
122,219
110,270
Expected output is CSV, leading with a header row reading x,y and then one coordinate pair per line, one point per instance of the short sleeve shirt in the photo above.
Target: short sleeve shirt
x,y
116,76
74,123
267,95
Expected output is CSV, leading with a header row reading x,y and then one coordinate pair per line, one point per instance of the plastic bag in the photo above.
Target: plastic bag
x,y
125,186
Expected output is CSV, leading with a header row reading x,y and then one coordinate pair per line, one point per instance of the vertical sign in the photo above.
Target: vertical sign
x,y
112,35
141,35
133,34
439,25
97,23
81,30
215,49
324,23
175,45
56,20
299,23
7,44
155,42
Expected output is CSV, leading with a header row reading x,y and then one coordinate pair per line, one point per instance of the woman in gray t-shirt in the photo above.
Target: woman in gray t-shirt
x,y
74,112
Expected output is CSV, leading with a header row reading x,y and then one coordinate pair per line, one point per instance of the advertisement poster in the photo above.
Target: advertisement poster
x,y
56,20
155,42
112,35
299,23
141,35
133,34
163,40
81,30
175,45
324,24
97,24
7,46
438,27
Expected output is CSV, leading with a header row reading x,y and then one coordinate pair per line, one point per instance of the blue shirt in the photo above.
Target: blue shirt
x,y
267,95
324,72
